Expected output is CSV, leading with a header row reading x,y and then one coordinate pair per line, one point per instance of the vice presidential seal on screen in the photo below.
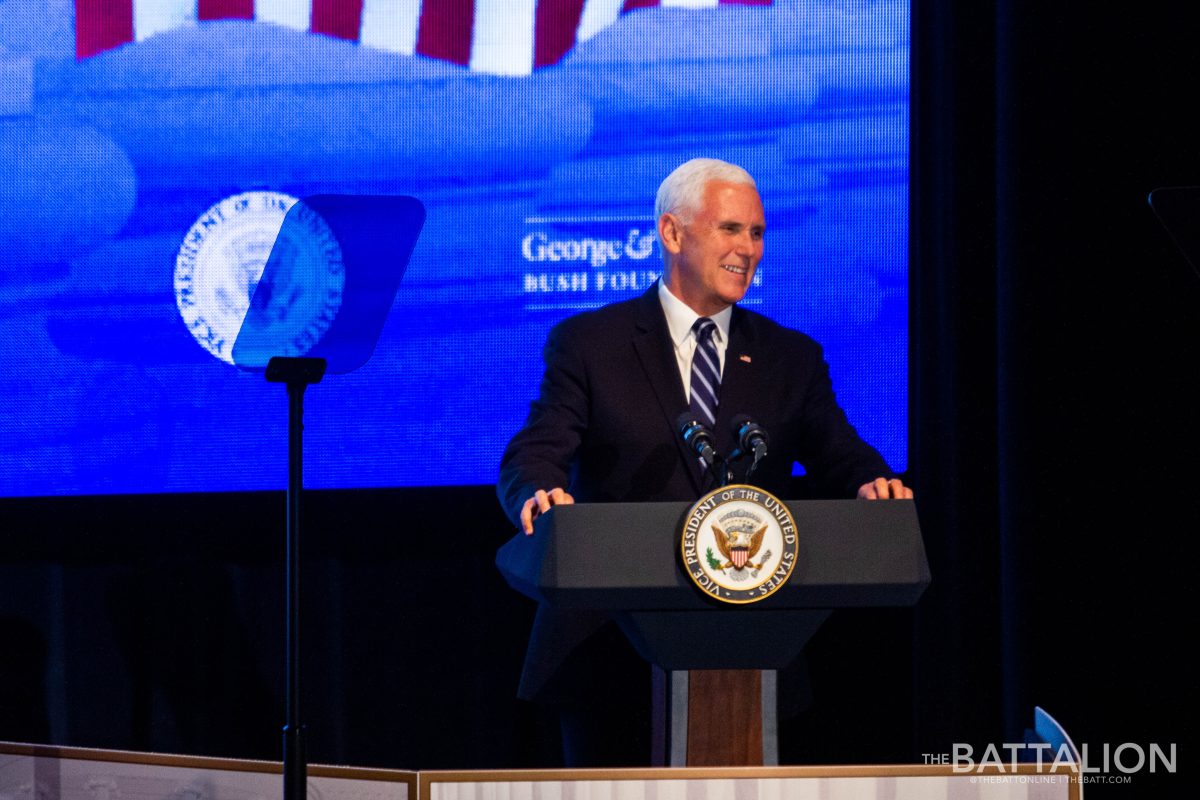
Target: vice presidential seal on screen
x,y
739,544
220,264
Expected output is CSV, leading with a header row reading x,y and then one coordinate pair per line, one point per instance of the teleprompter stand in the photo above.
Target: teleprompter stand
x,y
715,664
336,264
298,374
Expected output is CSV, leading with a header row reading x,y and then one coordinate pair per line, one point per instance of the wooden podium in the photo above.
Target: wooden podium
x,y
715,664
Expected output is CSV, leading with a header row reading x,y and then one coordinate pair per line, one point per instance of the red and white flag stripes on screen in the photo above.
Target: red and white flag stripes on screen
x,y
504,37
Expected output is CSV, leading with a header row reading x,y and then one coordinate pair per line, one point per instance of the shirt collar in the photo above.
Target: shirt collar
x,y
680,317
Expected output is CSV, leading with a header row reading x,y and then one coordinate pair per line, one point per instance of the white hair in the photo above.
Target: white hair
x,y
682,191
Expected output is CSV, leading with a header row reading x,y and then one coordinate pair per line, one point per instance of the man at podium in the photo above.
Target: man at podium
x,y
619,384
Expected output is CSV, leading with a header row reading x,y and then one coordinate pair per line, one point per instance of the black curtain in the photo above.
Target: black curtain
x,y
1055,329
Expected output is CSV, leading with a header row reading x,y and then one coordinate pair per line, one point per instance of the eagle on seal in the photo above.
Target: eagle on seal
x,y
739,547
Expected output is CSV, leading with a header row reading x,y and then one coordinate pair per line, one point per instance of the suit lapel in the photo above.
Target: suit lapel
x,y
652,342
739,379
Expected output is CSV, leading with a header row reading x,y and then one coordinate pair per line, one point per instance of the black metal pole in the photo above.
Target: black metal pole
x,y
297,373
295,767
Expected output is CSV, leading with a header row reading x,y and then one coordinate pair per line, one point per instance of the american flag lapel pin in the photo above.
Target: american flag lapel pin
x,y
744,357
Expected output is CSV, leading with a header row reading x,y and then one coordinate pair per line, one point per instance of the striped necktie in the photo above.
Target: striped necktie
x,y
706,373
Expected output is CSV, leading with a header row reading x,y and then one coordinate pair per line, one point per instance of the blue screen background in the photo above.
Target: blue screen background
x,y
538,192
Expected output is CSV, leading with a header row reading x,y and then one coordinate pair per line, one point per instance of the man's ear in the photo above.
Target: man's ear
x,y
670,233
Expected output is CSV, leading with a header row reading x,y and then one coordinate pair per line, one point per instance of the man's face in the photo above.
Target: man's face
x,y
713,255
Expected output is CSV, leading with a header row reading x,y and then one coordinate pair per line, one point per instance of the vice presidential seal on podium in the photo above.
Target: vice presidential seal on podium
x,y
739,544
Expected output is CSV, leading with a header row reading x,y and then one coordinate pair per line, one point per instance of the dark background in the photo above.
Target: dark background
x,y
1054,382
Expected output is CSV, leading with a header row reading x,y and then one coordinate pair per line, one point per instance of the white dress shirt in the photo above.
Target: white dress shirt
x,y
680,319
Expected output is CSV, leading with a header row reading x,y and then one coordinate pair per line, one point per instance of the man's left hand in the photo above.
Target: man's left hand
x,y
883,489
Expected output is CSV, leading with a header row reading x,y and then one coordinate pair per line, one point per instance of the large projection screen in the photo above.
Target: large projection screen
x,y
140,139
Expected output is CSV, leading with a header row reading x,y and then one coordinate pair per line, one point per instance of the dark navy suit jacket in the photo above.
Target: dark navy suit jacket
x,y
604,428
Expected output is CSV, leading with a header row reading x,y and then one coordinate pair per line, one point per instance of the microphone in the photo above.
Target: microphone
x,y
750,438
697,437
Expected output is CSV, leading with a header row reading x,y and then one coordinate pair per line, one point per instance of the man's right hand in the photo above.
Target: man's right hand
x,y
539,504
